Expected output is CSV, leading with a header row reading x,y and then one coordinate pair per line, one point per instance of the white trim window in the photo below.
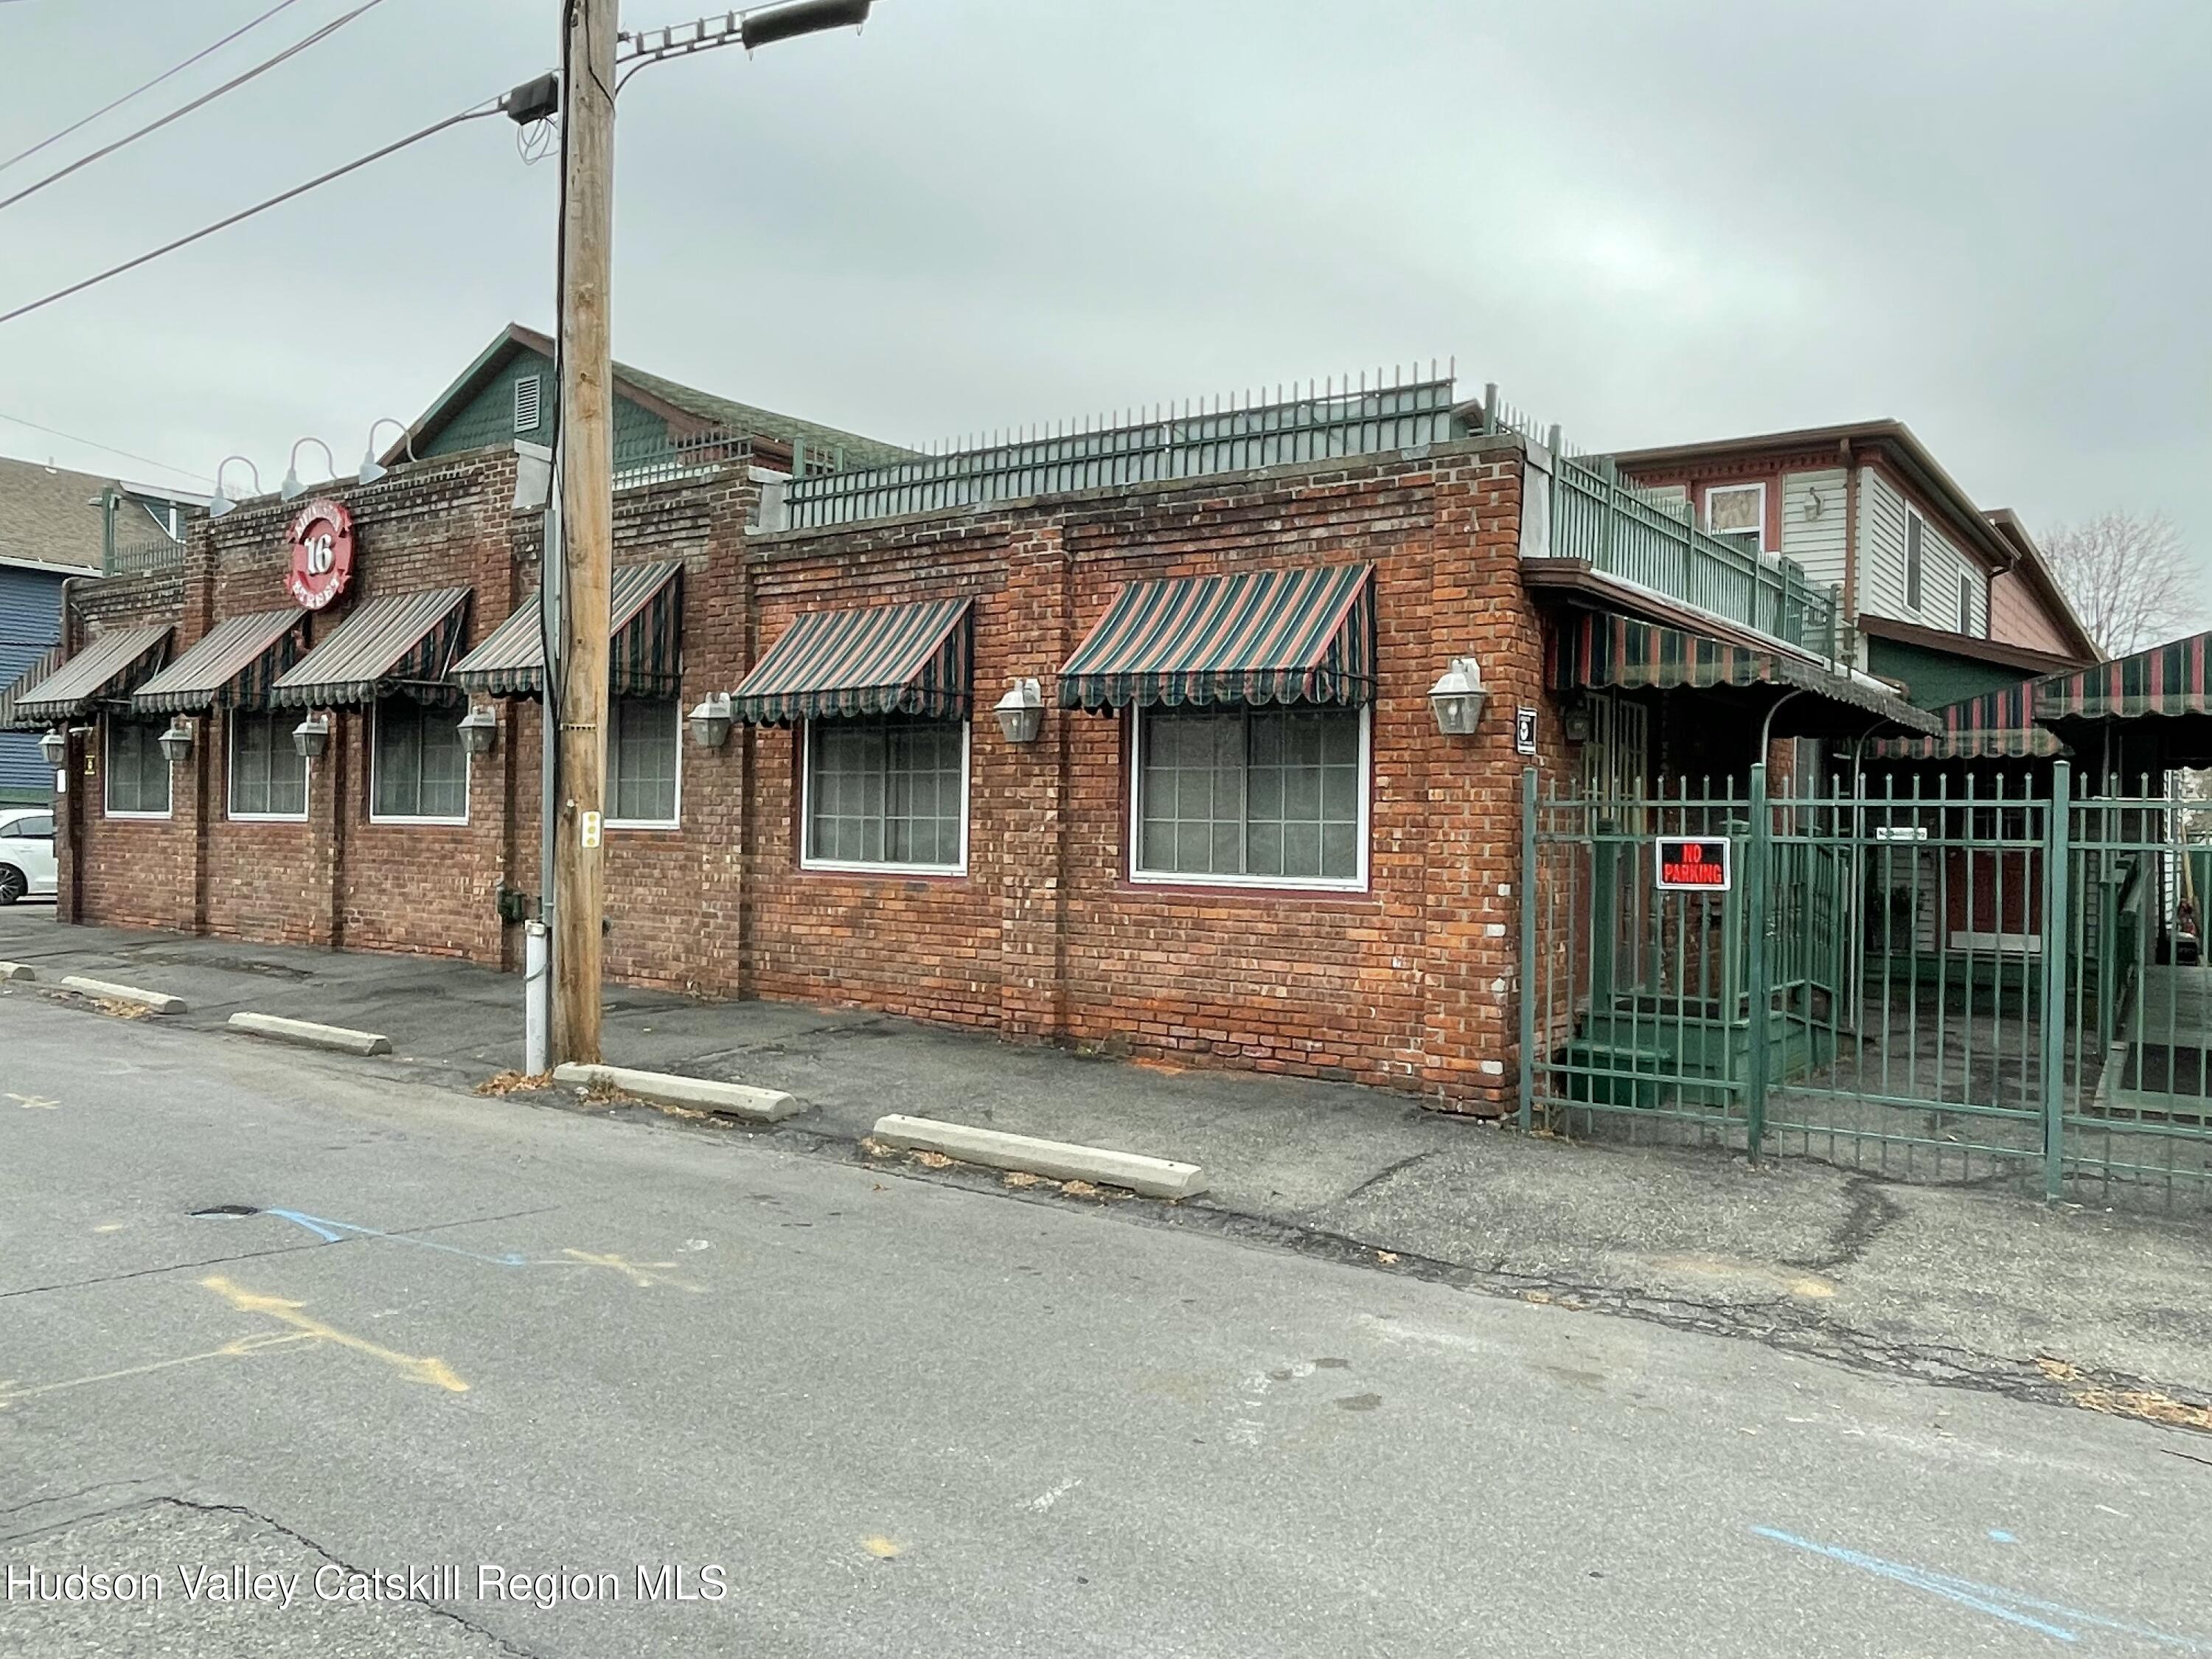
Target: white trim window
x,y
1737,513
418,768
886,792
268,775
1243,797
645,763
1916,533
136,773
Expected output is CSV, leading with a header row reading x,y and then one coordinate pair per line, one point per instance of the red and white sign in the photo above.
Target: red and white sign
x,y
322,553
1693,866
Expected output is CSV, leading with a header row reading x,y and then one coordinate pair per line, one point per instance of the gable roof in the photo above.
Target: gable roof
x,y
1998,536
687,408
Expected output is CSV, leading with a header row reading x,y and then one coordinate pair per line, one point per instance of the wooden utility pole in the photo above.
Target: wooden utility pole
x,y
587,440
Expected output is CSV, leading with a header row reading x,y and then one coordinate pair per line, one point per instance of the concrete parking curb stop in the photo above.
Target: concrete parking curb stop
x,y
159,1002
15,970
668,1088
1151,1177
308,1035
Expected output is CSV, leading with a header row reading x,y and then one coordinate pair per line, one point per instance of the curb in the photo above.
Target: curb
x,y
160,1001
308,1035
1153,1177
667,1089
15,970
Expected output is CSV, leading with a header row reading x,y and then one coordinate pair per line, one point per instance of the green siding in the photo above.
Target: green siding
x,y
489,417
1933,678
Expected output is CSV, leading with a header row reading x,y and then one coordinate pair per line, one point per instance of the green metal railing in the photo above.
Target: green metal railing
x,y
134,543
1977,983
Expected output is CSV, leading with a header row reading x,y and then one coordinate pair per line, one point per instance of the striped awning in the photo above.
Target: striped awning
x,y
1305,635
889,658
106,669
1995,726
39,666
642,638
404,640
1604,650
233,664
2165,680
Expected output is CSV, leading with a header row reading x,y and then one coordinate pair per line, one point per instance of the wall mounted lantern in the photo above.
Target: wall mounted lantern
x,y
1021,711
371,468
177,742
291,489
1457,697
479,731
219,503
55,747
1575,723
312,735
710,722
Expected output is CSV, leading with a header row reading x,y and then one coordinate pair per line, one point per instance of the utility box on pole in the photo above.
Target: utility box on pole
x,y
587,478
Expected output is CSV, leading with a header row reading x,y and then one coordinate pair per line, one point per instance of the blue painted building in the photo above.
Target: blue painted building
x,y
30,625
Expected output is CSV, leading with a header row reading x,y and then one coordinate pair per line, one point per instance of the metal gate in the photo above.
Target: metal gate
x,y
1954,984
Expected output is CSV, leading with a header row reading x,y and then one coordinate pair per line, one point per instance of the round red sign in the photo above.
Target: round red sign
x,y
322,553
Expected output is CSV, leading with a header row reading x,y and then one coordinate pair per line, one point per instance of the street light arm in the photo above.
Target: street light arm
x,y
764,26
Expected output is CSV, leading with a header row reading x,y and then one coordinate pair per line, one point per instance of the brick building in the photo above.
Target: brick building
x,y
1222,820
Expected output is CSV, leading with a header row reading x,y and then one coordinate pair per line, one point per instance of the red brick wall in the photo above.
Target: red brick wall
x,y
1407,984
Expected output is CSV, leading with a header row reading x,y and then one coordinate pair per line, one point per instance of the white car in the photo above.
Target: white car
x,y
27,853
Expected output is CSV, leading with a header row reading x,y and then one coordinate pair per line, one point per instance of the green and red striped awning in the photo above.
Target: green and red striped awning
x,y
106,669
21,687
403,641
235,663
643,635
1601,651
1262,636
2166,679
887,660
1995,726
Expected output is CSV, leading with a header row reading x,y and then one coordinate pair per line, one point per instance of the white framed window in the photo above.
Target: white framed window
x,y
418,770
645,763
885,793
137,772
1737,513
268,775
1915,534
1243,796
528,400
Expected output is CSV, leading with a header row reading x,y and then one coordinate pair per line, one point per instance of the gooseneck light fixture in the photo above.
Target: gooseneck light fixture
x,y
219,503
292,488
371,468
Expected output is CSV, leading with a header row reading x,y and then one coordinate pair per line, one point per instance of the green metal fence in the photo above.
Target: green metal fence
x,y
1958,983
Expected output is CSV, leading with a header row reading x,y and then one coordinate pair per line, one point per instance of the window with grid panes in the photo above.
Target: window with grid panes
x,y
887,790
268,775
643,744
421,769
138,771
1265,794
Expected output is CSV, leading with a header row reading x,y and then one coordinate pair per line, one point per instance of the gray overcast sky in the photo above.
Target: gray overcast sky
x,y
1650,222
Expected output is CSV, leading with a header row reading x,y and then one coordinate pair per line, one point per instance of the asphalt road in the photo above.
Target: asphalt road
x,y
898,1417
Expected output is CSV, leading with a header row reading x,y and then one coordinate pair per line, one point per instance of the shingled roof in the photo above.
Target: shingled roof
x,y
46,515
686,405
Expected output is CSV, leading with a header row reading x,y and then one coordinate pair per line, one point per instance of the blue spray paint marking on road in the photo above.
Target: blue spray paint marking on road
x,y
333,1232
2009,1605
1997,1537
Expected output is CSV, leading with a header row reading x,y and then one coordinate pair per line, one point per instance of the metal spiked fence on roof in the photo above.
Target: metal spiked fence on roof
x,y
1360,416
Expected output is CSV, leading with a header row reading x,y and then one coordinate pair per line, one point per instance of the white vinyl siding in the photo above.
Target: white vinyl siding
x,y
1883,512
1814,542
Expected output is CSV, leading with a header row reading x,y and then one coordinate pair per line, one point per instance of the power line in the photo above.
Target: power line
x,y
231,85
91,443
148,86
473,114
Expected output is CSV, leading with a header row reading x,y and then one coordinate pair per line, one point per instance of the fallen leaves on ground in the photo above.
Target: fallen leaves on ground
x,y
507,1083
932,1160
120,1009
1387,1258
1078,1189
1022,1178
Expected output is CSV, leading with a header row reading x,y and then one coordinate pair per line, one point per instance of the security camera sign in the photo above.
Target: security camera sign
x,y
321,535
1696,866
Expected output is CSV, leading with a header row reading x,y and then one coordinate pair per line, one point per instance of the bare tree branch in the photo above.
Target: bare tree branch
x,y
2127,576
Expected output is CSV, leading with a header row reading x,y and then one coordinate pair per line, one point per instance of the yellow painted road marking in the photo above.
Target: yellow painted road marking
x,y
35,1103
9,1393
882,1548
643,1274
433,1371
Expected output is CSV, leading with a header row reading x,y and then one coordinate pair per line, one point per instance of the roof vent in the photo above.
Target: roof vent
x,y
525,403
